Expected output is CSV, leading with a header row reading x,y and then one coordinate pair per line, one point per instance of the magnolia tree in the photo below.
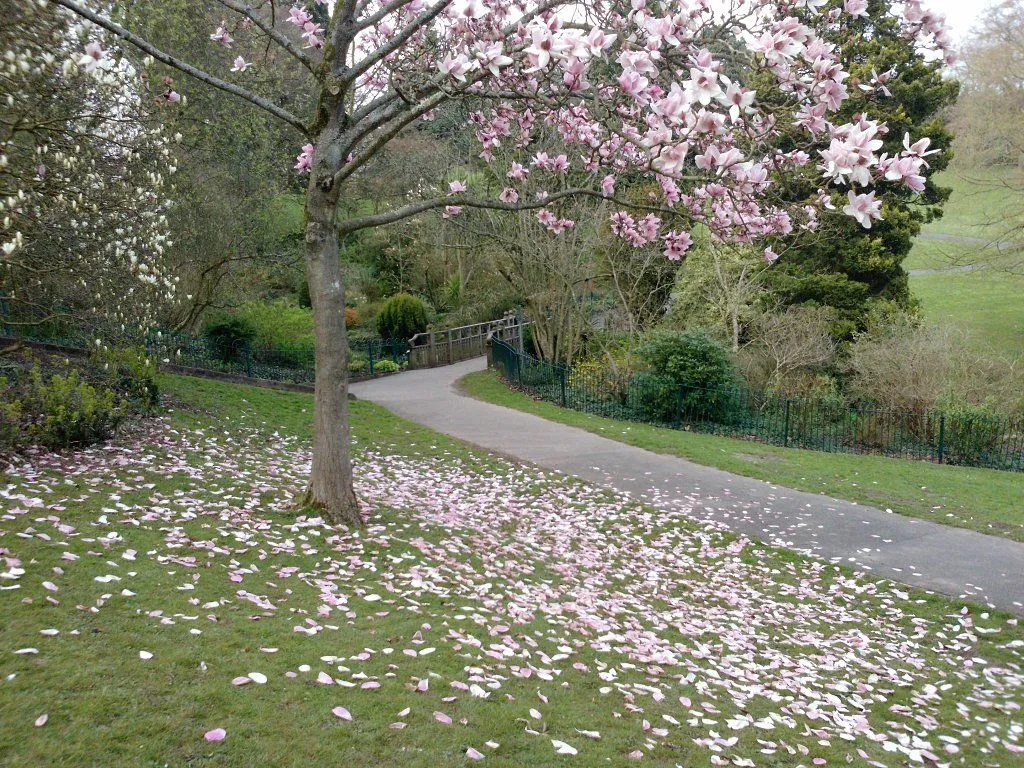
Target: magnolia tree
x,y
698,96
83,180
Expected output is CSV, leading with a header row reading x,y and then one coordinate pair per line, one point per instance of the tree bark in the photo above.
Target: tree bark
x,y
331,489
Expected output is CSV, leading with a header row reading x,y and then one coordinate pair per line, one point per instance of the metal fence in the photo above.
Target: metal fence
x,y
367,357
814,424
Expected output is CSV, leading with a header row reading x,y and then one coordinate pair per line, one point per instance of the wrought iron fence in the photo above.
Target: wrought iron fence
x,y
798,422
367,357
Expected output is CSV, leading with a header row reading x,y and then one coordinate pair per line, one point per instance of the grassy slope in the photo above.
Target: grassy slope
x,y
108,707
980,499
987,304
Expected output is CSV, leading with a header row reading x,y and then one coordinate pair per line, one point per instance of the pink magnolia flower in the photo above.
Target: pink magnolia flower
x,y
92,57
546,217
856,7
608,186
240,65
508,195
559,164
304,162
863,208
770,255
676,244
451,211
221,36
457,186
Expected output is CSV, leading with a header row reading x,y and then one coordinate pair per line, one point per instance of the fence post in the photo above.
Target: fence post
x,y
561,375
679,406
369,351
942,436
785,429
248,360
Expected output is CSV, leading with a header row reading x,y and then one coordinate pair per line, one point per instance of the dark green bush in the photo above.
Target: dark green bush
x,y
229,336
64,411
692,363
654,396
10,416
971,433
402,317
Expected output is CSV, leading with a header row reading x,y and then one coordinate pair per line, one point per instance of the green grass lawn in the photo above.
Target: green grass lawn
x,y
987,304
489,611
983,500
977,203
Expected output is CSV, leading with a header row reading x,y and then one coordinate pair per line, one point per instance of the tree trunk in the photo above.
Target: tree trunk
x,y
330,487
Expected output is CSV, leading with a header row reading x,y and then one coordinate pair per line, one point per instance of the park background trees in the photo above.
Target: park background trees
x,y
625,97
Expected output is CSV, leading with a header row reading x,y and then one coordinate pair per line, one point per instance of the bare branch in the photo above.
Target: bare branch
x,y
250,13
396,42
383,139
389,217
183,66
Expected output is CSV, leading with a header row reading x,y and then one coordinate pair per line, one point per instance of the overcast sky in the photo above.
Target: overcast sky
x,y
960,14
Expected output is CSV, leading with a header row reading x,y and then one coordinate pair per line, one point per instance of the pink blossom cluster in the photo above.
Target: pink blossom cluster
x,y
312,32
659,103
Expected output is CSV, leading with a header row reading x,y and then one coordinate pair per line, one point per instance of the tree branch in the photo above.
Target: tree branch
x,y
183,66
277,37
389,217
397,41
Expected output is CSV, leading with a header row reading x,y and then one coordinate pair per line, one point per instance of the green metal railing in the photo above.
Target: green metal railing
x,y
286,364
797,422
289,364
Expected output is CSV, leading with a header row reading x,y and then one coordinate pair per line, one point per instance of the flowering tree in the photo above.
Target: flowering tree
x,y
695,95
84,174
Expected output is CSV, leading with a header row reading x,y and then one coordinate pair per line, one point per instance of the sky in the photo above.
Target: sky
x,y
960,14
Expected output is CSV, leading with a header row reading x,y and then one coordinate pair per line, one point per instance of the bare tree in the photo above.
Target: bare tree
x,y
990,132
785,343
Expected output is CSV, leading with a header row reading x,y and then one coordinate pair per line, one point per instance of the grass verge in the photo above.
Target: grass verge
x,y
984,500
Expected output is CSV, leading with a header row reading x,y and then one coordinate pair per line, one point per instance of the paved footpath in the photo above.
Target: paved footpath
x,y
957,562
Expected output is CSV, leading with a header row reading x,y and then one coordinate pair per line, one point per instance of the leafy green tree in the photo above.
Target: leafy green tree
x,y
403,317
848,267
238,226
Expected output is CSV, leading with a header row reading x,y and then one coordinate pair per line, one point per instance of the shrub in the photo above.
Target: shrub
x,y
900,364
789,349
691,361
655,396
281,323
351,317
357,362
386,366
971,432
402,317
10,416
228,336
130,372
64,411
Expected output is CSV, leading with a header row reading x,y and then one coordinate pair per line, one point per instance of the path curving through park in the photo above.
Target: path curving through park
x,y
954,561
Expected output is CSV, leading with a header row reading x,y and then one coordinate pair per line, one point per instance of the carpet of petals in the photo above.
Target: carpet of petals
x,y
527,609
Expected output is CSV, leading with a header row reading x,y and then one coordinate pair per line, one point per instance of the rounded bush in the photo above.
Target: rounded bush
x,y
228,336
386,366
402,317
696,365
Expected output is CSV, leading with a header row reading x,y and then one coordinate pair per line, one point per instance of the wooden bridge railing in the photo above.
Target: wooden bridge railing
x,y
452,345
